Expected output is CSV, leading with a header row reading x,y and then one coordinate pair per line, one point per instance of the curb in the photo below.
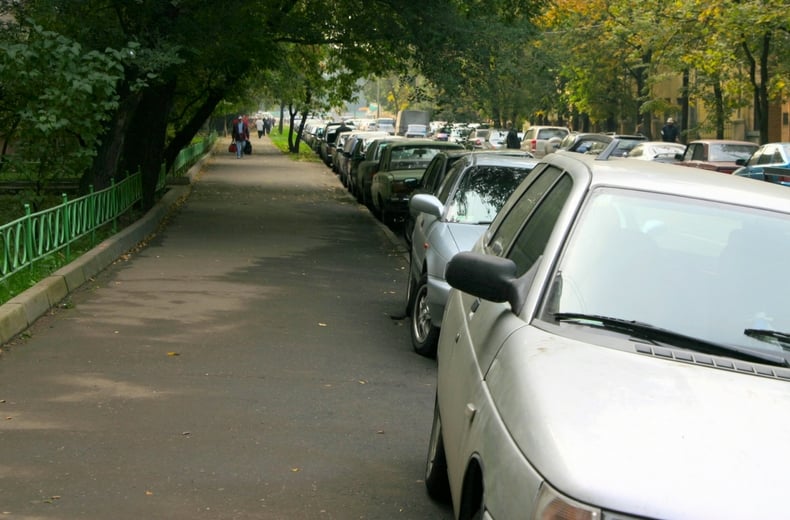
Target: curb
x,y
20,312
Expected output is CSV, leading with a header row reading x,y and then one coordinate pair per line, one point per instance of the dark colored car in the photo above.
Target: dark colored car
x,y
770,163
400,169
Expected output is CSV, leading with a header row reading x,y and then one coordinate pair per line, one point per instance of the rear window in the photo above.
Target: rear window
x,y
548,133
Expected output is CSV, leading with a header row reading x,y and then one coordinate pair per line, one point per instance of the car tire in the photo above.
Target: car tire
x,y
436,480
424,336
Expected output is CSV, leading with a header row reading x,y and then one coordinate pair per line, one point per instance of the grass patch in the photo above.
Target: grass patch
x,y
280,140
29,276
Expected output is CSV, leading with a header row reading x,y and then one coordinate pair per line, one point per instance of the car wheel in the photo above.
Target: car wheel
x,y
436,481
424,336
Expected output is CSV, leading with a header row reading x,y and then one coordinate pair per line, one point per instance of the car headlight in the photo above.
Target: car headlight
x,y
551,505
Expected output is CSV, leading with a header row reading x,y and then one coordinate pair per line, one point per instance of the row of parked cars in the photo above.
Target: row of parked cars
x,y
611,334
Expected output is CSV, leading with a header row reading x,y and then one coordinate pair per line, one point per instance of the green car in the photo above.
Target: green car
x,y
400,169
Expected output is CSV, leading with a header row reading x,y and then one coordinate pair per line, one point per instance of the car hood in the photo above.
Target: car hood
x,y
644,435
448,238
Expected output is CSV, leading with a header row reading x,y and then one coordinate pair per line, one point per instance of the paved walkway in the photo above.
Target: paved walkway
x,y
246,360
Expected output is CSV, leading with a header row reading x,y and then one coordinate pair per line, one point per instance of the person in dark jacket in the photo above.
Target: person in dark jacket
x,y
670,132
241,134
512,140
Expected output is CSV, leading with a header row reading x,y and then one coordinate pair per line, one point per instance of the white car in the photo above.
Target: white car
x,y
616,346
656,151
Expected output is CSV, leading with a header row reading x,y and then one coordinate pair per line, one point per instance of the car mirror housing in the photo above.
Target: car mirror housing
x,y
491,278
425,203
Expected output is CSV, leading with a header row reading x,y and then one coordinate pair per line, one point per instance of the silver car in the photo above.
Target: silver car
x,y
616,345
449,221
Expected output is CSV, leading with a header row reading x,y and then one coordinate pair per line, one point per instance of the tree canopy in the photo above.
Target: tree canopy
x,y
123,85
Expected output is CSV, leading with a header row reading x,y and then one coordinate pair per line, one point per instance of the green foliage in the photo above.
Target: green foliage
x,y
53,132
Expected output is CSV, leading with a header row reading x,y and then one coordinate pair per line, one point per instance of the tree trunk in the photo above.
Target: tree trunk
x,y
184,136
145,141
718,97
108,154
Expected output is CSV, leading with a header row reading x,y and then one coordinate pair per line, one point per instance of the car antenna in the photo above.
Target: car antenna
x,y
610,148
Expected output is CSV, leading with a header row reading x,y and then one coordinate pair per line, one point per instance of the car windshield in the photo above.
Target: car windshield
x,y
730,152
701,269
482,192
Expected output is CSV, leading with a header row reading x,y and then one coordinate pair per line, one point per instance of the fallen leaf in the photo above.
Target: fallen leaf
x,y
173,354
321,324
149,493
295,470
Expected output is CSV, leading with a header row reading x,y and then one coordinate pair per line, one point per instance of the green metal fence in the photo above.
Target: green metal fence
x,y
38,235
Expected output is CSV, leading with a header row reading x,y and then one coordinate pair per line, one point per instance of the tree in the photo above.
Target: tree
x,y
54,132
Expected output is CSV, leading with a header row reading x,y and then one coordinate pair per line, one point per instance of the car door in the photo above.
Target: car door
x,y
473,330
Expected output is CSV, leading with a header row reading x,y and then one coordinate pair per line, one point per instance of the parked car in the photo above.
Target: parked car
x,y
616,345
542,140
416,131
401,167
770,162
442,133
369,166
327,146
434,174
449,221
719,155
497,139
656,151
355,154
337,151
478,139
583,142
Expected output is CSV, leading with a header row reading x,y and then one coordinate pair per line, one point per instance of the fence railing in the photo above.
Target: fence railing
x,y
38,235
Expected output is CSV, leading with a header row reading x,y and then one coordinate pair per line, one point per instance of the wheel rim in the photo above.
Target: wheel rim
x,y
421,315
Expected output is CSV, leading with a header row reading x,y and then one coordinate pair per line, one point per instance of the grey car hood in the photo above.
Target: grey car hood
x,y
643,435
447,239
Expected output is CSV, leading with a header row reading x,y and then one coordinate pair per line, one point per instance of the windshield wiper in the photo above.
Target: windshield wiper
x,y
774,337
649,332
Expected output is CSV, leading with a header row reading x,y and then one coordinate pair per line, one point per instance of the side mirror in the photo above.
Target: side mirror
x,y
426,203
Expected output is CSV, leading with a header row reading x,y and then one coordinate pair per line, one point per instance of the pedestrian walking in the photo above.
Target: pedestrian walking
x,y
260,126
241,134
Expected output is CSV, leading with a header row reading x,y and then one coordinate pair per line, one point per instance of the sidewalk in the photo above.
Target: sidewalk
x,y
247,360
19,313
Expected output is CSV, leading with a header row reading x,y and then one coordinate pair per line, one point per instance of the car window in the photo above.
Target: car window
x,y
481,193
627,244
432,172
450,180
534,236
512,222
550,133
729,152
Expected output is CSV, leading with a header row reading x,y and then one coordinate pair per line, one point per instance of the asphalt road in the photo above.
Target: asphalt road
x,y
249,362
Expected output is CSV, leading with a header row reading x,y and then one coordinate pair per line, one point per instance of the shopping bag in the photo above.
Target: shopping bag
x,y
247,147
232,148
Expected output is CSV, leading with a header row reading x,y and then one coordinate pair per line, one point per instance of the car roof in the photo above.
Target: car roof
x,y
722,141
500,159
674,179
411,143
